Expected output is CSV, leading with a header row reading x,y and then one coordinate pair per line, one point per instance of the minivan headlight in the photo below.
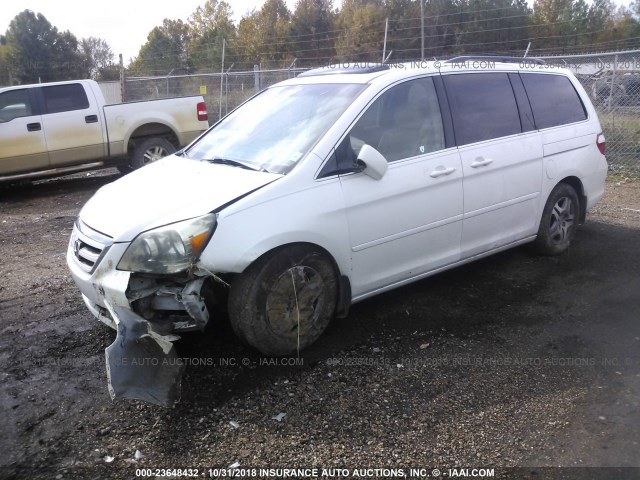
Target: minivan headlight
x,y
169,249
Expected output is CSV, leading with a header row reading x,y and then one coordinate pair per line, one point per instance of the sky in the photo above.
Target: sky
x,y
124,24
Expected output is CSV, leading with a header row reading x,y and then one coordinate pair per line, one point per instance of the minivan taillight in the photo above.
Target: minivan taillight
x,y
600,142
202,112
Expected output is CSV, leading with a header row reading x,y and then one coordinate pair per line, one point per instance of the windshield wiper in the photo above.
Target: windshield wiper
x,y
234,163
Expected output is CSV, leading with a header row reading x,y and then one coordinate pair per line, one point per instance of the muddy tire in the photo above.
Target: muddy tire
x,y
559,221
150,150
283,302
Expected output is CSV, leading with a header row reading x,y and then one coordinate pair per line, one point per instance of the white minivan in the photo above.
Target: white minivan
x,y
329,188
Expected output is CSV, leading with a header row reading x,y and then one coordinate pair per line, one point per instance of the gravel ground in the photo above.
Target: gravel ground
x,y
512,361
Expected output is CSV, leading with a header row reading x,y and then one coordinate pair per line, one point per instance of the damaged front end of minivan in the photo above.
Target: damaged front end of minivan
x,y
142,362
155,291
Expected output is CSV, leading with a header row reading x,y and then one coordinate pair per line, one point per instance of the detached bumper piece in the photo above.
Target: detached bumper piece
x,y
142,364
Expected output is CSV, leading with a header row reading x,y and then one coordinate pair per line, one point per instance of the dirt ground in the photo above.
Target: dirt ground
x,y
515,360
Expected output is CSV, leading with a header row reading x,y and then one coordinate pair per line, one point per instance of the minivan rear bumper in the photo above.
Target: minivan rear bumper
x,y
594,183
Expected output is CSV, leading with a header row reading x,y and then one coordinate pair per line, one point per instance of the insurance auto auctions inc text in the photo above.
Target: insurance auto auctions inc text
x,y
277,473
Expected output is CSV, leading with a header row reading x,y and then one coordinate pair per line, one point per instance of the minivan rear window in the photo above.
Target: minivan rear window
x,y
553,99
483,106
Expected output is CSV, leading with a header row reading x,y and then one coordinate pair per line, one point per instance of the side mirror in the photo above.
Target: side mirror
x,y
375,165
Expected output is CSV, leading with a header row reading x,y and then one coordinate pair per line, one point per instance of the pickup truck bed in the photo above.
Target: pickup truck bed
x,y
55,128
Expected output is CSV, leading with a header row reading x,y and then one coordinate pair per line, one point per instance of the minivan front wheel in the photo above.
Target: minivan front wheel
x,y
559,220
284,301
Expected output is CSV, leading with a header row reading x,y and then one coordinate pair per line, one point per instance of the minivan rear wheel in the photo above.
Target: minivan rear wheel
x,y
559,220
285,300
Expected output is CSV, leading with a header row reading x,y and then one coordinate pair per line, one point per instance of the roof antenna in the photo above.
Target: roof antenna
x,y
525,53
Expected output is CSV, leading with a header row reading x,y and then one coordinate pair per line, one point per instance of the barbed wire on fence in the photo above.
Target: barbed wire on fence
x,y
611,79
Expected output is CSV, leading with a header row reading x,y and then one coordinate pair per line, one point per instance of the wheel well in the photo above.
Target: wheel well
x,y
344,284
576,184
150,130
301,244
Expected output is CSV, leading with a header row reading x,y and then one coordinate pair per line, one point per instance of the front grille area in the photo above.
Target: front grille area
x,y
88,246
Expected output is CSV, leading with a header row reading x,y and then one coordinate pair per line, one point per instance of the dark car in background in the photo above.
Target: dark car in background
x,y
619,89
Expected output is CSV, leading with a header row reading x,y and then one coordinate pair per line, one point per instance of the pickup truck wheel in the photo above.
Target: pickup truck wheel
x,y
559,221
284,301
150,150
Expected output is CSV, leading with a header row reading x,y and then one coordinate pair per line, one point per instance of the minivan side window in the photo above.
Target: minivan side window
x,y
14,104
483,106
403,122
553,99
65,98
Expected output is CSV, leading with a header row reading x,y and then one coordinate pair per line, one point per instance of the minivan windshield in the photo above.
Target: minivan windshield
x,y
277,128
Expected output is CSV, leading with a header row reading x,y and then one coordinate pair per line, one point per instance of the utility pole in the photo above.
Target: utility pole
x,y
384,48
168,75
123,95
226,89
293,64
422,30
224,45
256,78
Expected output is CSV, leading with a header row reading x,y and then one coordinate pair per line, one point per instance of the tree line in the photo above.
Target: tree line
x,y
317,33
33,50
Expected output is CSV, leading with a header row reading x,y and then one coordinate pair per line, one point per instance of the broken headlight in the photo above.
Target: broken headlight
x,y
169,249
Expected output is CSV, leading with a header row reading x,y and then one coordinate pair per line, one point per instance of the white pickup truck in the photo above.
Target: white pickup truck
x,y
56,128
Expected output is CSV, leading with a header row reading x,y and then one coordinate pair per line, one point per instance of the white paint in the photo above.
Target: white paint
x,y
382,233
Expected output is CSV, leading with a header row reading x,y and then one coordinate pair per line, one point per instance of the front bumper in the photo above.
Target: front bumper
x,y
92,258
142,362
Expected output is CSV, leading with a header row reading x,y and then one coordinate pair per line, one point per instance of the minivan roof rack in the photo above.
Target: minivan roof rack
x,y
497,58
364,67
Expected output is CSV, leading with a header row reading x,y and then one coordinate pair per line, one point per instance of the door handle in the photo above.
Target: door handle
x,y
441,171
91,119
34,127
481,162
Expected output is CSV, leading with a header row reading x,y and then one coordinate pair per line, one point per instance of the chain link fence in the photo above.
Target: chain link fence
x,y
612,80
222,92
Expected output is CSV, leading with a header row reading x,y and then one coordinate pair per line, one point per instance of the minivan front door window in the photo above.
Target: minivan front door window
x,y
403,122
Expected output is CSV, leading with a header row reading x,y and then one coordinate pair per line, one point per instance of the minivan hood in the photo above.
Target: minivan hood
x,y
167,191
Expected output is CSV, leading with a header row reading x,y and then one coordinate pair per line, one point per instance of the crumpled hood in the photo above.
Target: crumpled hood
x,y
167,191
